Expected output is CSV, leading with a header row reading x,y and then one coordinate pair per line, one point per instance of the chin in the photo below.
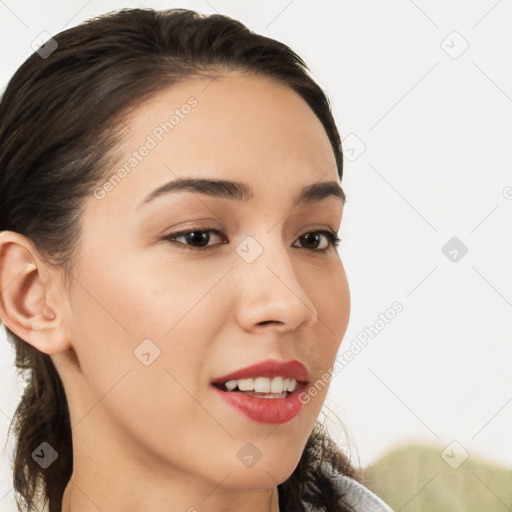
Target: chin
x,y
260,476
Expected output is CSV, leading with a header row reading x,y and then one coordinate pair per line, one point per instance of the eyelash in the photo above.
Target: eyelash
x,y
332,238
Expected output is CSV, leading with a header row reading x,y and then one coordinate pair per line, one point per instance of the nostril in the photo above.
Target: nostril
x,y
268,322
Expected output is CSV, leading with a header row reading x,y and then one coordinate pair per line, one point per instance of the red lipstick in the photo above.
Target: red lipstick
x,y
266,410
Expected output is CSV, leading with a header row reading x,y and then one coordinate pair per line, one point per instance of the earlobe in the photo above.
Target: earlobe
x,y
25,281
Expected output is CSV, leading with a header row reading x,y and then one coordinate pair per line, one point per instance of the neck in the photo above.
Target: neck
x,y
76,499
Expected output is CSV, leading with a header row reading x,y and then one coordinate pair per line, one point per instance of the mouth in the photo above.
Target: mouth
x,y
269,392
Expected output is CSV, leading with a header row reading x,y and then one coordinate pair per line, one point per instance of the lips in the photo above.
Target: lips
x,y
268,408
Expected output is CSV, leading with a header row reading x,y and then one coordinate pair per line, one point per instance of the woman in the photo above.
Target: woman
x,y
169,274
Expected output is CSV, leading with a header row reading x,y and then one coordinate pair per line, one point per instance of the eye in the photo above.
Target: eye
x,y
196,238
315,238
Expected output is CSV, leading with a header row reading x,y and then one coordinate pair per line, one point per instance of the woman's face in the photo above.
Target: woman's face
x,y
154,320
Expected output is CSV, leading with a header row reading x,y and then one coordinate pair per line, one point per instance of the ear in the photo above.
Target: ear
x,y
26,293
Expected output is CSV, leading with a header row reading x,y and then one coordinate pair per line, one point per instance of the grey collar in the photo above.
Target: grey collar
x,y
359,497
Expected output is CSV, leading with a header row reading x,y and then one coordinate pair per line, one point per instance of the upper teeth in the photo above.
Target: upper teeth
x,y
263,385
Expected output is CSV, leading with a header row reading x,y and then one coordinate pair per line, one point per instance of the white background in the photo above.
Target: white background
x,y
436,164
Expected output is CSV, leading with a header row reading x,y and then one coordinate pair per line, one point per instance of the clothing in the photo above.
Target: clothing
x,y
361,498
356,495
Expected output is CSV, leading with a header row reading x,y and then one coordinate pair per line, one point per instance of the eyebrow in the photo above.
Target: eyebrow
x,y
241,192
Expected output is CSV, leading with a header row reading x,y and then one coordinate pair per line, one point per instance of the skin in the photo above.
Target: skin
x,y
157,438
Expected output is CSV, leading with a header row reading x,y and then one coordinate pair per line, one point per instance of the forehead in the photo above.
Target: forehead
x,y
237,126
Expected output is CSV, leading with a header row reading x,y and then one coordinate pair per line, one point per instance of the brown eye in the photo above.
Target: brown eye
x,y
314,241
196,238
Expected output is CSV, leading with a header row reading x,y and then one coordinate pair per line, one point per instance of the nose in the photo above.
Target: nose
x,y
271,295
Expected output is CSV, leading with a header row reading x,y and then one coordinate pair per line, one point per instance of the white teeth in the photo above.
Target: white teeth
x,y
291,385
246,384
276,385
262,385
231,384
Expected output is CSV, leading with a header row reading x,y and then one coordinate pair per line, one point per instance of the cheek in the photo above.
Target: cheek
x,y
329,292
125,315
142,340
142,299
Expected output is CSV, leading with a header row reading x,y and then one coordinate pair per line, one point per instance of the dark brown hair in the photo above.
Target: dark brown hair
x,y
61,117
